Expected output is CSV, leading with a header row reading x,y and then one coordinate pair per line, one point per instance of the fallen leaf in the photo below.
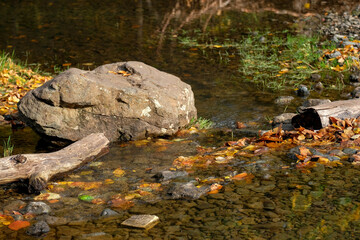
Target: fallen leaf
x,y
122,204
118,172
17,225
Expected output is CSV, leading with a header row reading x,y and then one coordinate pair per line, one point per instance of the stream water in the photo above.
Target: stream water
x,y
279,203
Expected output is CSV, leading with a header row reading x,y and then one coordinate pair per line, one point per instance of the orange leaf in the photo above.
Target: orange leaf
x,y
240,176
304,151
17,225
215,188
122,204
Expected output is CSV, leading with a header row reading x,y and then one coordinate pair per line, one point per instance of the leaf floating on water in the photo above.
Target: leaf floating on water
x,y
17,225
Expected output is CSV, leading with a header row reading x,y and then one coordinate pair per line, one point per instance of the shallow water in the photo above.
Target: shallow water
x,y
281,202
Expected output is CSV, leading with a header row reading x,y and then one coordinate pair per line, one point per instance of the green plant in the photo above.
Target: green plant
x,y
8,147
201,123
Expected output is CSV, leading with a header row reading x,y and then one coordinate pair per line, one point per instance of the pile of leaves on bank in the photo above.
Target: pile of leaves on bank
x,y
16,81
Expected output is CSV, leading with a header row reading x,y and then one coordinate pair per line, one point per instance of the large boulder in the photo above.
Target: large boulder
x,y
125,100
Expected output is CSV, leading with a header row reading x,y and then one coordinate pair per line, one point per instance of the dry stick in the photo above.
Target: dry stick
x,y
39,168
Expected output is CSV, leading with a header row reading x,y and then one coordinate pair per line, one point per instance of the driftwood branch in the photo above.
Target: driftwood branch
x,y
39,168
317,117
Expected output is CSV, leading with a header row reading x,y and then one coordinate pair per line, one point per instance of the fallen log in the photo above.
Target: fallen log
x,y
317,117
39,168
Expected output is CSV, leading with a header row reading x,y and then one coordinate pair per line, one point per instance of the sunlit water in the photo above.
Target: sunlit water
x,y
279,203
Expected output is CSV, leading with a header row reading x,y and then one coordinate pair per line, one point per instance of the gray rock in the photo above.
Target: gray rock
x,y
52,220
108,212
125,100
313,102
186,191
318,86
302,91
167,175
350,151
38,229
284,100
284,118
37,208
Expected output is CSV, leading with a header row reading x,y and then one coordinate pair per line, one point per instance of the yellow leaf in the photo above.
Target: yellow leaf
x,y
118,172
217,46
307,5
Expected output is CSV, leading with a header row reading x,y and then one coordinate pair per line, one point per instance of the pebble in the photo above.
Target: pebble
x,y
37,208
38,229
318,86
108,212
186,191
302,91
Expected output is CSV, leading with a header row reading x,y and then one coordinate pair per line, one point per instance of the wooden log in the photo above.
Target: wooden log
x,y
39,168
317,117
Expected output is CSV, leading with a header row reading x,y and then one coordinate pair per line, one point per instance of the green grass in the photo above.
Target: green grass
x,y
200,123
8,147
281,60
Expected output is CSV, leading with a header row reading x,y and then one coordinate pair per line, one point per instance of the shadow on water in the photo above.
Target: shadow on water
x,y
279,203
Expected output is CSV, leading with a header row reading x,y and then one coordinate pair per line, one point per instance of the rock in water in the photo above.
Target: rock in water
x,y
38,229
141,221
37,208
125,100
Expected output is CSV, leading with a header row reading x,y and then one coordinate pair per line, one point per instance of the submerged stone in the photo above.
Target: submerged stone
x,y
167,175
38,229
108,212
37,208
141,221
186,191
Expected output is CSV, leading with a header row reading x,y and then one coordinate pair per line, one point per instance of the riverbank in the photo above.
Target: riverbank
x,y
16,80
